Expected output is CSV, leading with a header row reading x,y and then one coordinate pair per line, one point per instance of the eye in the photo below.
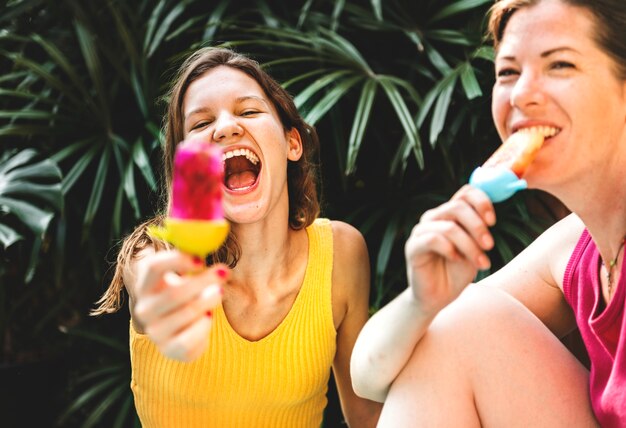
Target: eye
x,y
249,112
200,125
559,65
506,72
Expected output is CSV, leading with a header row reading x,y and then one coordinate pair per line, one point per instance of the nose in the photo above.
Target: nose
x,y
226,128
527,91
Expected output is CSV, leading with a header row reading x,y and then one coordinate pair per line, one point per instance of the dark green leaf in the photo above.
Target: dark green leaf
x,y
214,20
92,60
377,7
98,412
12,161
330,99
61,60
441,109
48,193
45,74
8,236
153,23
164,27
469,81
304,96
453,37
96,192
141,159
88,396
457,7
79,167
402,112
34,217
361,117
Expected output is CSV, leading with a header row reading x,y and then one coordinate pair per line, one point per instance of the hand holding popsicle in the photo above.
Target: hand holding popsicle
x,y
175,308
501,175
195,223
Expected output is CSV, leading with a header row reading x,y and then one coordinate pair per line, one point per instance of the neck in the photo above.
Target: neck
x,y
266,251
599,199
606,222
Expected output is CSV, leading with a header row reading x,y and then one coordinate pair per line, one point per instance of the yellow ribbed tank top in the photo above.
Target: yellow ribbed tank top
x,y
278,381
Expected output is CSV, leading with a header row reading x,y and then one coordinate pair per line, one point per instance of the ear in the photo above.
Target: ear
x,y
295,145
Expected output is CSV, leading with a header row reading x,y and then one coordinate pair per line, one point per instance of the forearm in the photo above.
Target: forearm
x,y
385,344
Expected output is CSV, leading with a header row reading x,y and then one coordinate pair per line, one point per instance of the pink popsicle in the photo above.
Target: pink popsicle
x,y
197,181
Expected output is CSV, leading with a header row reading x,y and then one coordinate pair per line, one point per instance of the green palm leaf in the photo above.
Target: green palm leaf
x,y
8,236
457,7
361,117
330,99
404,115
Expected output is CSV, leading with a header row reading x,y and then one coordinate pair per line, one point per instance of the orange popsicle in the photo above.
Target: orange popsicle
x,y
501,175
518,151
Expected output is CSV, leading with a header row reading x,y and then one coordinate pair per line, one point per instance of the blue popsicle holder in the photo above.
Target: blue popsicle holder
x,y
498,182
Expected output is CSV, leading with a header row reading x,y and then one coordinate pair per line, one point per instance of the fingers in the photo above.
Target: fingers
x,y
175,292
449,240
458,228
189,343
175,309
162,329
150,270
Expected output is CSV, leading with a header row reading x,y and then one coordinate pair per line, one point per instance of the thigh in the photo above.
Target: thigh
x,y
488,361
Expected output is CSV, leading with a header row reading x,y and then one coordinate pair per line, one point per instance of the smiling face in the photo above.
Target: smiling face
x,y
229,108
551,74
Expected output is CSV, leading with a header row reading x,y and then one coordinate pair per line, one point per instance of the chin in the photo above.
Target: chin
x,y
252,213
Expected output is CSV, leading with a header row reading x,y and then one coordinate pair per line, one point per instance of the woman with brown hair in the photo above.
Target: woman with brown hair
x,y
250,340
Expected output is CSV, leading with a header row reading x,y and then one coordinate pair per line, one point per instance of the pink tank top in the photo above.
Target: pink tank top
x,y
601,331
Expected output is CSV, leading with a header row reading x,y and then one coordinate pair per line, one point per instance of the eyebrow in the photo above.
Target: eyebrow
x,y
543,54
237,100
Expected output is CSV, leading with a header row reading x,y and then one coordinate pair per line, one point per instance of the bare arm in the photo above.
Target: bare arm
x,y
443,255
351,284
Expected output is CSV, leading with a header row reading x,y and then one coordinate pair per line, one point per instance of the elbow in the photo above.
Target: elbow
x,y
366,380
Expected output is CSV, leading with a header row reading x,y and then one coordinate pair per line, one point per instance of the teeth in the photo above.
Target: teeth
x,y
546,131
241,152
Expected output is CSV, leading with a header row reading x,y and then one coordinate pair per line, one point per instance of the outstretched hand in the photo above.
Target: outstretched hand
x,y
175,295
447,248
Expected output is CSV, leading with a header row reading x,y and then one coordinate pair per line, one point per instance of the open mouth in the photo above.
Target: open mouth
x,y
241,169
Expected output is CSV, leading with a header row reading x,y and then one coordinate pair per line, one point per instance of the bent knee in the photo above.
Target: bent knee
x,y
483,311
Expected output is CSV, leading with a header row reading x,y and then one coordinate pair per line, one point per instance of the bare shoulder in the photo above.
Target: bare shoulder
x,y
547,256
347,238
558,243
552,249
351,269
350,255
535,276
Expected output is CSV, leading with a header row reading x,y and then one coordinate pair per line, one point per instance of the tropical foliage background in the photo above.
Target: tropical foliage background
x,y
399,91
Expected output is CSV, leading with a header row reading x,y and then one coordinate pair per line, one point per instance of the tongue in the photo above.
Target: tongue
x,y
240,180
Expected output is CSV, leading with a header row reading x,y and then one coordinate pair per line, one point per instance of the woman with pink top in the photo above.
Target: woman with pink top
x,y
447,353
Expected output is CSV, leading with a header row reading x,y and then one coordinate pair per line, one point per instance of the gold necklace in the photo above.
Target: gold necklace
x,y
612,264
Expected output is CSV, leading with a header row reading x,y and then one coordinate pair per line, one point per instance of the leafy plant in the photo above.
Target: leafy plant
x,y
30,196
101,394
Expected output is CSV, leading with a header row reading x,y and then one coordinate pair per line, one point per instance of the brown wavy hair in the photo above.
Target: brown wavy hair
x,y
302,175
609,28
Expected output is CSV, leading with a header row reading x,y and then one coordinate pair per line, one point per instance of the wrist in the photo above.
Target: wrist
x,y
420,311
